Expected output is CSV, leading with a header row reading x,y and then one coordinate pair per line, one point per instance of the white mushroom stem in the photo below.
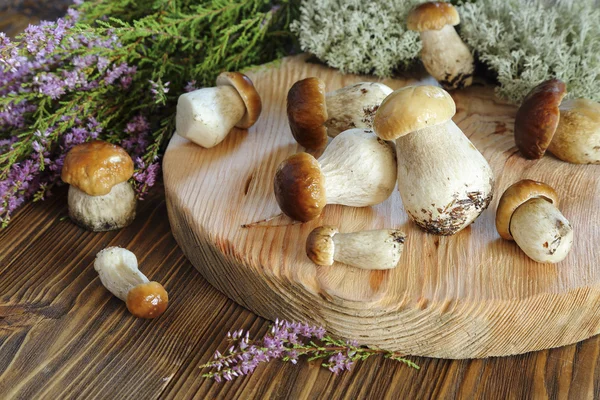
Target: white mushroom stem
x,y
206,116
447,58
541,231
359,169
444,181
354,106
118,271
114,210
380,249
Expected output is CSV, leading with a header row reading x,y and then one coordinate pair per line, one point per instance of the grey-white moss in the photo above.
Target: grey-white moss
x,y
114,210
527,42
358,36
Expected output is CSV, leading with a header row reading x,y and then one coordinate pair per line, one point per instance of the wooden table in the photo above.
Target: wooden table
x,y
62,335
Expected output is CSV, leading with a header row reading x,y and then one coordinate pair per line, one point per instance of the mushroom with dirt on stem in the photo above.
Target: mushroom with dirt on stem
x,y
100,196
376,249
314,115
445,56
444,181
568,129
357,169
206,116
528,214
119,273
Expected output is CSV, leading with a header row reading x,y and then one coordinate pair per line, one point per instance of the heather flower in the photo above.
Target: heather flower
x,y
191,86
282,342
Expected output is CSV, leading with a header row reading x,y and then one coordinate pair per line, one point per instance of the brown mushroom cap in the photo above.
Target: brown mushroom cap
x,y
147,300
411,108
307,113
577,137
516,195
537,118
247,92
319,245
432,16
95,167
300,187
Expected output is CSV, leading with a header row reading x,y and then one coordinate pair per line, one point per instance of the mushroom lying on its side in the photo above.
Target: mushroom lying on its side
x,y
119,273
444,181
570,130
444,54
313,114
378,249
357,169
527,213
100,198
207,115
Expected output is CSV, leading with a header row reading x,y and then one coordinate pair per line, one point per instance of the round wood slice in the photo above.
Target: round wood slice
x,y
470,295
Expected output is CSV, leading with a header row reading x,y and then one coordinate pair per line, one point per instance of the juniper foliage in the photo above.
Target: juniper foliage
x,y
113,70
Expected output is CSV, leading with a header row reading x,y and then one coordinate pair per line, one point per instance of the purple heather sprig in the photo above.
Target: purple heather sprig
x,y
288,341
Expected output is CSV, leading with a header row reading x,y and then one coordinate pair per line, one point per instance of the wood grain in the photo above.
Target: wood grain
x,y
465,296
62,336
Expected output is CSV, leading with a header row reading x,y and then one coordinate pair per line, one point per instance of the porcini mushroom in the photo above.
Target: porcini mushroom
x,y
444,181
119,273
313,114
100,198
377,249
528,214
357,169
207,115
444,54
570,130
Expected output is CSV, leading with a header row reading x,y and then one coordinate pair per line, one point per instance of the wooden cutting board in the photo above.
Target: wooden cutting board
x,y
470,295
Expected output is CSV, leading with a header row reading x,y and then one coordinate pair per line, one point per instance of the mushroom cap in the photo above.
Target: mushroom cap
x,y
411,108
537,118
577,137
147,300
95,167
307,113
320,247
299,187
516,195
432,16
247,92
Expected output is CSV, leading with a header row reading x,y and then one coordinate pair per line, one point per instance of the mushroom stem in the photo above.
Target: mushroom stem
x,y
206,116
354,106
359,169
114,210
447,58
378,249
541,231
119,273
444,181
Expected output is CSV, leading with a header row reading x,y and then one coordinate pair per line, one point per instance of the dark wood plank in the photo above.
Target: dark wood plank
x,y
62,335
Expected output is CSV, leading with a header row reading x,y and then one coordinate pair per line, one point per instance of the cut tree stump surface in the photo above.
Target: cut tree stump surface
x,y
470,295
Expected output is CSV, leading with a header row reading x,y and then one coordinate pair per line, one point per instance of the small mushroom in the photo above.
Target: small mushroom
x,y
207,115
528,214
444,54
378,249
570,130
444,181
313,114
100,198
357,169
119,273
